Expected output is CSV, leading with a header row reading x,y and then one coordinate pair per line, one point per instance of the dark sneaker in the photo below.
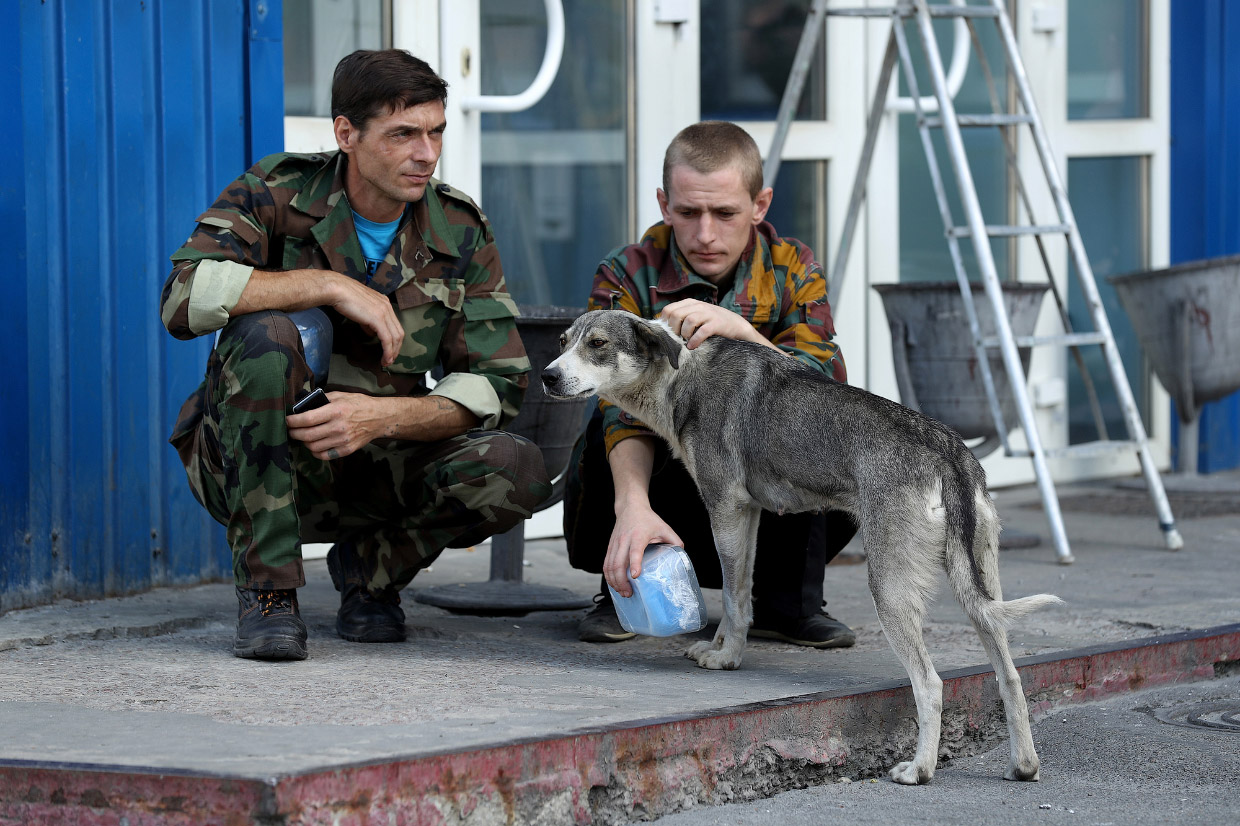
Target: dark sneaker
x,y
363,616
600,624
819,630
269,627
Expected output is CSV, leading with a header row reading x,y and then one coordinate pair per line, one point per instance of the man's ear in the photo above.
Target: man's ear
x,y
665,205
762,203
346,133
658,342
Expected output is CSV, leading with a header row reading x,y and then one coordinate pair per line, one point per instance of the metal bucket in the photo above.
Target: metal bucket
x,y
936,365
1187,319
552,424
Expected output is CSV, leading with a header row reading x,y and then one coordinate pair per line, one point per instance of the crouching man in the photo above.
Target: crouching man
x,y
361,257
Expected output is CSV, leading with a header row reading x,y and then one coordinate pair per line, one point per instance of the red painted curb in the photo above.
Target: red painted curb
x,y
615,773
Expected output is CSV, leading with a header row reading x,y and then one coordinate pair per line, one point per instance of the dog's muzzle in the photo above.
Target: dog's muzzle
x,y
551,382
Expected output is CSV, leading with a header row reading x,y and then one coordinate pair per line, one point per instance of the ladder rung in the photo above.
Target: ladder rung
x,y
982,120
909,11
1003,230
1064,340
1084,450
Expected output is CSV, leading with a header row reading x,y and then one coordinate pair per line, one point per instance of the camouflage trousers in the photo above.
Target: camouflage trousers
x,y
400,503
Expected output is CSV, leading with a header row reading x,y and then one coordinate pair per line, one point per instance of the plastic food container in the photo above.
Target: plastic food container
x,y
667,599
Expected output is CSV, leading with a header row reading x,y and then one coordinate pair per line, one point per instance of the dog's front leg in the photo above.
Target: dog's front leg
x,y
736,535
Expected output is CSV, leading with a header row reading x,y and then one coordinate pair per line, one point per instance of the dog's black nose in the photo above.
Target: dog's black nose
x,y
550,378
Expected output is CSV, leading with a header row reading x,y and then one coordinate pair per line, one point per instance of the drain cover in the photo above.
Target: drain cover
x,y
1223,716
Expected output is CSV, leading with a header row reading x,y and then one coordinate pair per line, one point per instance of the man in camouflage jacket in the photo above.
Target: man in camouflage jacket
x,y
714,266
390,471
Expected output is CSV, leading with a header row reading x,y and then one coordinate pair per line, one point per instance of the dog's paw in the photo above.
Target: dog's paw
x,y
700,649
1026,773
715,659
908,774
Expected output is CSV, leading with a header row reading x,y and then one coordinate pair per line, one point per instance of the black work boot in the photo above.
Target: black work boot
x,y
269,626
817,630
363,616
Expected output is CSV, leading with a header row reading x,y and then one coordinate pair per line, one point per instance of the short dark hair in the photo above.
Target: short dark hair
x,y
370,83
713,145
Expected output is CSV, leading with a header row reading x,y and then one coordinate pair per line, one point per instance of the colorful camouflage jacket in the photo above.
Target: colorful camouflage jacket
x,y
442,273
779,288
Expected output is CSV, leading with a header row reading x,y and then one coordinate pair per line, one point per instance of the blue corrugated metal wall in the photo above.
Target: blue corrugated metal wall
x,y
1205,173
133,115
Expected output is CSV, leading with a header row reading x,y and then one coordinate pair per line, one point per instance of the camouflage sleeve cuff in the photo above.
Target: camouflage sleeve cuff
x,y
618,426
474,393
214,291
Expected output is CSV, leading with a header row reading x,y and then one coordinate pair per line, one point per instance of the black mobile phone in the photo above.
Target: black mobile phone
x,y
314,399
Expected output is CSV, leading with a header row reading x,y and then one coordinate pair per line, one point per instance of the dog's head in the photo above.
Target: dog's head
x,y
607,349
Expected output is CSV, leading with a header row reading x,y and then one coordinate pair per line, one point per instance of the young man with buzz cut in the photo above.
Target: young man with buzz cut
x,y
713,267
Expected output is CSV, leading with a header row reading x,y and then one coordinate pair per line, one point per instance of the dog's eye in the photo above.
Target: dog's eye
x,y
563,340
597,342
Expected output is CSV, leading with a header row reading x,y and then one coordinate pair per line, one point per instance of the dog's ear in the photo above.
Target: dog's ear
x,y
659,342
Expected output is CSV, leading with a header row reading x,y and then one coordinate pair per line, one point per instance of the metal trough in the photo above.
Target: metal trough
x,y
1187,319
936,365
553,425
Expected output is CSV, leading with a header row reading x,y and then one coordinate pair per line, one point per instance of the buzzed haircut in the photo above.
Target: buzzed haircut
x,y
370,83
712,145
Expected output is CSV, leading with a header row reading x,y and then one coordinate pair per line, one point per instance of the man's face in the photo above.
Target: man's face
x,y
392,160
712,216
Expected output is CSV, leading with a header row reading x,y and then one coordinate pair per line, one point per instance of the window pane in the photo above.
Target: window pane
x,y
747,52
1107,59
1109,199
555,178
798,208
924,254
317,34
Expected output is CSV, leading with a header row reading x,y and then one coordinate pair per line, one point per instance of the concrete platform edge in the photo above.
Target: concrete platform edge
x,y
619,773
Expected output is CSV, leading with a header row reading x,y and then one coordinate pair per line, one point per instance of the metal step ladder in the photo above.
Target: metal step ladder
x,y
980,233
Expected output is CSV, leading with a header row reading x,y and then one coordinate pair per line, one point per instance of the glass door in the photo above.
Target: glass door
x,y
556,178
1100,73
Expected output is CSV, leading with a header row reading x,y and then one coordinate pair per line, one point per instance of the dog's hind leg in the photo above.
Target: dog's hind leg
x,y
993,633
1024,758
900,589
736,537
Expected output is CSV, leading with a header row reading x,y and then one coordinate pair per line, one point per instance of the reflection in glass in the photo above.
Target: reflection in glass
x,y
798,208
1109,199
555,182
747,50
317,34
1108,59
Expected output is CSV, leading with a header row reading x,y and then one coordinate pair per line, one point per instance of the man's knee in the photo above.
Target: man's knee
x,y
505,484
504,471
261,355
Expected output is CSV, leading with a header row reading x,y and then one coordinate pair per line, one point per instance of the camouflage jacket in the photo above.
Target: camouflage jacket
x,y
779,288
442,274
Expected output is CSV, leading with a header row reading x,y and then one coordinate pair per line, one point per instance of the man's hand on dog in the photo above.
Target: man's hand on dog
x,y
695,321
636,527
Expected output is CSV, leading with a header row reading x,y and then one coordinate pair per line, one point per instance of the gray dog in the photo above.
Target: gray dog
x,y
758,430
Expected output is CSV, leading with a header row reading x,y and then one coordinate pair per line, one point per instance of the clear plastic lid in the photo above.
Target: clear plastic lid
x,y
667,599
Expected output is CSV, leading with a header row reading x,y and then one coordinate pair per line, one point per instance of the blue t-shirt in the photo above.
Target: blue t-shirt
x,y
376,239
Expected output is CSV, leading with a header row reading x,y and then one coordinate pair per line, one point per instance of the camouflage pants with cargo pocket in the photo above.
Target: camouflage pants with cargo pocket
x,y
401,503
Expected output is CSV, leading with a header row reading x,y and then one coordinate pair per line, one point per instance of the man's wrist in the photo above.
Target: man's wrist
x,y
626,502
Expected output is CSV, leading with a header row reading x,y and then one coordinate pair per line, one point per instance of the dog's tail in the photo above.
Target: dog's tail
x,y
973,558
1004,614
